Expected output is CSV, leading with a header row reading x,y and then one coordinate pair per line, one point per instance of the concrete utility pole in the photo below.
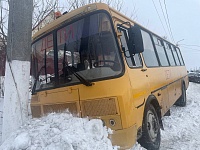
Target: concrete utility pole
x,y
0,87
15,109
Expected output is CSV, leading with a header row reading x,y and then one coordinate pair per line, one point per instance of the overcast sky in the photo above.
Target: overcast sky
x,y
184,17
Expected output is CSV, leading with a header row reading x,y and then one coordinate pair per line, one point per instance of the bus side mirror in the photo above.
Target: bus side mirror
x,y
135,42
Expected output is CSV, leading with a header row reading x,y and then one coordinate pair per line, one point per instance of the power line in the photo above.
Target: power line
x,y
190,48
165,19
159,17
190,45
169,22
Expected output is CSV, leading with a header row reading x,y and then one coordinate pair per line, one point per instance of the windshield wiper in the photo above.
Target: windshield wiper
x,y
70,69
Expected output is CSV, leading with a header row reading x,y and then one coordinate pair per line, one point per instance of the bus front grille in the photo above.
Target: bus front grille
x,y
93,107
58,108
39,111
36,111
99,107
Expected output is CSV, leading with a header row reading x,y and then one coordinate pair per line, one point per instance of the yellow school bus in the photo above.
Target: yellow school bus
x,y
98,63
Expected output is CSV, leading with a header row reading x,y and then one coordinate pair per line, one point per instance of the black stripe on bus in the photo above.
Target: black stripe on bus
x,y
141,104
165,86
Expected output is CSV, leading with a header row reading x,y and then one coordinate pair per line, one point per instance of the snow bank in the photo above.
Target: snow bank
x,y
65,132
60,132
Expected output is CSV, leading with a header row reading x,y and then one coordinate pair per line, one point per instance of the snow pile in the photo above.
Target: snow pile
x,y
137,146
60,132
182,128
65,132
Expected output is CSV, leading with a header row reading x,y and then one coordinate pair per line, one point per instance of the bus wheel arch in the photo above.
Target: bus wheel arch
x,y
153,101
151,125
182,100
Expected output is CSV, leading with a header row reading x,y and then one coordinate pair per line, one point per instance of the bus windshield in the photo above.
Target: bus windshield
x,y
86,47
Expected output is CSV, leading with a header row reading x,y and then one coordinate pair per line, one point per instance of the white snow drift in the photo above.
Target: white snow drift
x,y
65,132
60,132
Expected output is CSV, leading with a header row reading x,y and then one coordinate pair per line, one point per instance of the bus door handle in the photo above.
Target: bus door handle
x,y
143,70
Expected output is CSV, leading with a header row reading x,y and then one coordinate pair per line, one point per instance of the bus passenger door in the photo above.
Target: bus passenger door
x,y
140,87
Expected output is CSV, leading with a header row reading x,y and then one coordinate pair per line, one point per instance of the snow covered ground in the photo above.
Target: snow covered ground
x,y
182,128
65,132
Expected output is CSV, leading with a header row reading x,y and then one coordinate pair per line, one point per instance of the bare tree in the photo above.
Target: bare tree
x,y
132,13
3,24
43,8
3,41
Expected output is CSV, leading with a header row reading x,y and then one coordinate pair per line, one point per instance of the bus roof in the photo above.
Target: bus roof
x,y
84,10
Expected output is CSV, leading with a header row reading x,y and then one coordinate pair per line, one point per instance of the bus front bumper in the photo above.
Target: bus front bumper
x,y
124,138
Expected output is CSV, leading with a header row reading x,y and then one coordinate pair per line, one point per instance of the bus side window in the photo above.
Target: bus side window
x,y
149,52
175,55
161,51
180,56
134,60
169,54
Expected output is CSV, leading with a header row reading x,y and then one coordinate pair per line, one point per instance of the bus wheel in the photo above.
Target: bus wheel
x,y
182,100
150,129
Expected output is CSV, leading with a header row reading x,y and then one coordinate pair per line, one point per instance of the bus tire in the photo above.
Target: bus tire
x,y
182,100
151,137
